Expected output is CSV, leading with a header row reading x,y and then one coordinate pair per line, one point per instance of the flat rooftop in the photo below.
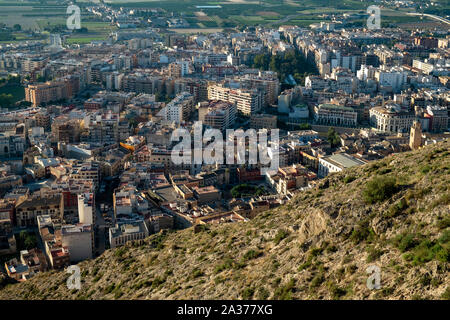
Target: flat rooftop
x,y
344,160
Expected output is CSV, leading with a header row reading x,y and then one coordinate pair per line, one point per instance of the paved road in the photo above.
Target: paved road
x,y
285,19
432,16
100,230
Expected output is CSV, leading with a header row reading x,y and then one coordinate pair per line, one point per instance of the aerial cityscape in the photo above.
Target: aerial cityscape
x,y
225,150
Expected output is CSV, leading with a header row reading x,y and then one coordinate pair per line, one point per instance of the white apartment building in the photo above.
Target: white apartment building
x,y
425,67
285,100
185,67
393,78
316,83
86,208
180,108
366,72
247,102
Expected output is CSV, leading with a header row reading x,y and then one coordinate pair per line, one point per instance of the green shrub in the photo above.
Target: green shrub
x,y
263,294
384,170
387,291
281,234
397,208
443,254
362,232
380,189
337,292
314,252
118,294
332,248
305,265
351,269
348,179
425,280
446,294
408,256
405,242
197,273
173,290
445,237
424,252
157,282
444,223
95,270
425,169
110,288
143,284
421,251
443,200
247,293
158,240
374,254
120,252
285,292
97,277
317,280
435,282
227,264
275,265
252,254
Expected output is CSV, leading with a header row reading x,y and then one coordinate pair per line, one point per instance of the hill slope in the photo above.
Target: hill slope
x,y
394,213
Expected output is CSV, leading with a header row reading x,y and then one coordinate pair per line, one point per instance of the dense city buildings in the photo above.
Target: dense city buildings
x,y
90,155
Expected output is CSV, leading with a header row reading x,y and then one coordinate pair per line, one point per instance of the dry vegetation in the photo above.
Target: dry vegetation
x,y
393,213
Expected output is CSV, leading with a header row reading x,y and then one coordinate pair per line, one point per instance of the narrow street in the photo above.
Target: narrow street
x,y
100,231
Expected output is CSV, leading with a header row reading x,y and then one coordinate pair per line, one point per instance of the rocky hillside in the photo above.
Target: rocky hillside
x,y
394,213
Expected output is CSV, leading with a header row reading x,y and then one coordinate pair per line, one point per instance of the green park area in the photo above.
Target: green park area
x,y
247,190
11,91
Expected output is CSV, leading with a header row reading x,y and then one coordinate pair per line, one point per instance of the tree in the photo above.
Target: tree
x,y
17,27
333,137
305,126
25,104
261,61
30,242
13,79
291,62
26,240
6,100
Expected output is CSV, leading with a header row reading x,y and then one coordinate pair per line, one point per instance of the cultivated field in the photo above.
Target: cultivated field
x,y
49,15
